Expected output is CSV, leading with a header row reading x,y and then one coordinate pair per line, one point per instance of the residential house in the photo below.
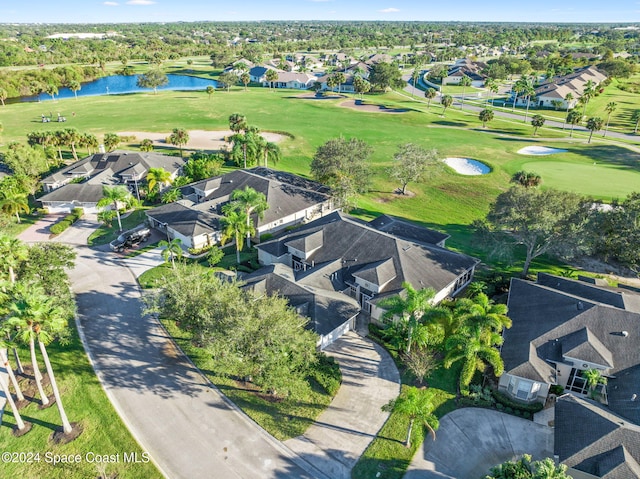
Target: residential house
x,y
378,58
195,219
330,313
562,327
80,185
258,73
594,441
240,66
292,80
557,88
341,254
466,68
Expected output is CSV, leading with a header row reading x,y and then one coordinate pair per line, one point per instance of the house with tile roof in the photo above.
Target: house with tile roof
x,y
341,254
80,185
562,327
557,88
292,80
195,219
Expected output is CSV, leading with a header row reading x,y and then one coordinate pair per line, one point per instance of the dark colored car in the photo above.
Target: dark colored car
x,y
130,238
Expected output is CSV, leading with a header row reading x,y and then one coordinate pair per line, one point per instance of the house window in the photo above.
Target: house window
x,y
524,389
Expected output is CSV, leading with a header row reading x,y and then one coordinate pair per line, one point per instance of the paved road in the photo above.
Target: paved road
x,y
185,424
518,115
471,441
344,430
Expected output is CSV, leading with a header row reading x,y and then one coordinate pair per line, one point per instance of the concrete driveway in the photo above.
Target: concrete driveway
x,y
344,430
470,441
187,426
39,231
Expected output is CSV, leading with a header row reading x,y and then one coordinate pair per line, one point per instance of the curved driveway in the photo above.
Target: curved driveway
x,y
189,428
470,441
186,425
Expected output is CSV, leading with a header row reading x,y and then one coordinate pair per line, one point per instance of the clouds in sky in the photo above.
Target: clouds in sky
x,y
140,2
389,10
111,4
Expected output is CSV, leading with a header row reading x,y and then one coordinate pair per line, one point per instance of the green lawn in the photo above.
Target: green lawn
x,y
86,403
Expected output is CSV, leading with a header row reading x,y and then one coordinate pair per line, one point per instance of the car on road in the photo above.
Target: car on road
x,y
130,238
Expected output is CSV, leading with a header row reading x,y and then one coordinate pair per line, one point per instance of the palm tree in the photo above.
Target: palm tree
x,y
89,141
3,95
465,82
573,118
111,141
171,250
12,253
430,94
414,77
548,469
587,94
237,122
14,409
71,137
157,177
610,108
271,151
245,78
485,116
567,98
517,87
593,378
446,102
537,121
594,124
340,79
172,195
74,86
112,195
52,90
37,317
13,202
526,179
482,314
179,137
635,117
210,91
475,349
146,145
416,404
4,359
234,225
251,202
25,311
271,76
410,308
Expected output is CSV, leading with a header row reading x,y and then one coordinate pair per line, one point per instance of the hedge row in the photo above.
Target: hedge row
x,y
507,402
68,220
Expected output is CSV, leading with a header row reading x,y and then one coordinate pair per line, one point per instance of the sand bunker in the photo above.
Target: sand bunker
x,y
540,150
198,139
466,166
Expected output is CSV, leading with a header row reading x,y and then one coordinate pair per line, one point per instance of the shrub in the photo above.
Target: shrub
x,y
556,389
42,211
203,249
499,407
71,218
513,404
59,227
265,237
79,212
327,374
215,256
508,410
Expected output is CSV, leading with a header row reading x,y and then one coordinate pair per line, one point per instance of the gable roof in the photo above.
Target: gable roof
x,y
116,165
592,439
351,246
549,323
75,192
187,221
574,82
325,309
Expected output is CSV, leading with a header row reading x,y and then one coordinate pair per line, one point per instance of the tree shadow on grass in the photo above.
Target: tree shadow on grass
x,y
458,124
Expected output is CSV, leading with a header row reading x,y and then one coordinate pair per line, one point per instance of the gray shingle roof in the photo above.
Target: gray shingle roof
x,y
78,192
354,245
187,221
405,230
546,320
594,440
326,310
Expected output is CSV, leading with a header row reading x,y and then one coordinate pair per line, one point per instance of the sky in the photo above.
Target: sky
x,y
107,11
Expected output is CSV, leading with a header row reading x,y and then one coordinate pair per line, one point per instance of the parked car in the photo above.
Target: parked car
x,y
130,238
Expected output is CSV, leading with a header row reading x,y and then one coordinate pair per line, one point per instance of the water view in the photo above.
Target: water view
x,y
119,84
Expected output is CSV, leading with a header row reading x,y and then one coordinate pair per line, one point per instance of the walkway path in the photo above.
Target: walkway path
x,y
471,440
343,431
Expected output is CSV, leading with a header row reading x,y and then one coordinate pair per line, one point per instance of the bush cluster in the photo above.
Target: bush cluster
x,y
203,249
508,403
327,374
68,220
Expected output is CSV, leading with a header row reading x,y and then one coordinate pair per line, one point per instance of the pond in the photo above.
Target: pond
x,y
120,84
466,166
